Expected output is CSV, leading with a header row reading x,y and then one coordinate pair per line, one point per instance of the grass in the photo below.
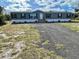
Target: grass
x,y
45,42
27,38
59,46
72,26
75,21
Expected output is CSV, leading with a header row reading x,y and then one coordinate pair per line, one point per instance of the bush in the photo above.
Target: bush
x,y
2,20
77,18
7,17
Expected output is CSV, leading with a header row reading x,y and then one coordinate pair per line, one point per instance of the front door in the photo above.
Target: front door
x,y
41,17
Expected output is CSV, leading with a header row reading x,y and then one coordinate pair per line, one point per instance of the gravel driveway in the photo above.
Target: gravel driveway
x,y
56,33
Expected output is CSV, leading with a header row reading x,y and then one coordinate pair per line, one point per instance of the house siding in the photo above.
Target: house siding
x,y
46,16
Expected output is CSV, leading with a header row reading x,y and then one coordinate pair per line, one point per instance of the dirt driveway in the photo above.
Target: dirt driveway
x,y
56,33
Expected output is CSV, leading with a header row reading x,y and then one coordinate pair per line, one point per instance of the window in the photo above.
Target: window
x,y
54,15
68,15
48,16
14,15
19,15
27,16
32,15
64,15
23,15
59,15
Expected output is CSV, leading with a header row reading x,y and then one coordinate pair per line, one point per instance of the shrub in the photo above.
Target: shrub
x,y
2,20
7,17
77,18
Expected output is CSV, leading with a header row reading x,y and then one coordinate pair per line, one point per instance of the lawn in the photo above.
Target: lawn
x,y
72,26
20,41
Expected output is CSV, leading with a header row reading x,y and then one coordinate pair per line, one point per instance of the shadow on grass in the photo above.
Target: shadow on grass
x,y
1,24
44,22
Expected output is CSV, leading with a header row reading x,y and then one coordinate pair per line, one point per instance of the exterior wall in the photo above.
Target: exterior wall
x,y
35,16
56,20
24,20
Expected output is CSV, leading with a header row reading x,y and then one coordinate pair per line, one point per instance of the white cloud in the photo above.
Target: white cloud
x,y
18,5
56,4
17,9
48,9
18,1
41,2
48,3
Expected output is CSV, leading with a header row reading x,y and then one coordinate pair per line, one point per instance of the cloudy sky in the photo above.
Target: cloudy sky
x,y
23,5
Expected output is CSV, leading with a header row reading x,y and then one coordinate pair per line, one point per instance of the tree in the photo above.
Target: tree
x,y
1,9
1,16
2,20
78,15
7,17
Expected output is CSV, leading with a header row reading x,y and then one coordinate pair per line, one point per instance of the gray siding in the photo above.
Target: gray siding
x,y
46,15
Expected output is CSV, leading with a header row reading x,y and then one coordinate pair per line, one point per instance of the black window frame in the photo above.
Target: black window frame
x,y
60,16
48,15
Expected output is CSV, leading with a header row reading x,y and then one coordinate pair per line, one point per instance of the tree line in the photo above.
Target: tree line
x,y
3,17
77,12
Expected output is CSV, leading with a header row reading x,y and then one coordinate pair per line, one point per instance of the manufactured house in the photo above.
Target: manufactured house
x,y
41,16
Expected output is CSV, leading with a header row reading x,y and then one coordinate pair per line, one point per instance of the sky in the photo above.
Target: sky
x,y
45,5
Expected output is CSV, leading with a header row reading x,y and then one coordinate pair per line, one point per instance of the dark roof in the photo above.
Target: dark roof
x,y
37,11
42,11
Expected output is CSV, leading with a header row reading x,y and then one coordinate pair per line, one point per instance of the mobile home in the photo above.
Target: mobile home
x,y
40,16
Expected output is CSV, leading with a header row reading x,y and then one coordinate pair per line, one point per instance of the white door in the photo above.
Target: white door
x,y
41,15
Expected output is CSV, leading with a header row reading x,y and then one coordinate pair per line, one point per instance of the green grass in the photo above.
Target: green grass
x,y
59,46
45,42
30,36
72,26
76,20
